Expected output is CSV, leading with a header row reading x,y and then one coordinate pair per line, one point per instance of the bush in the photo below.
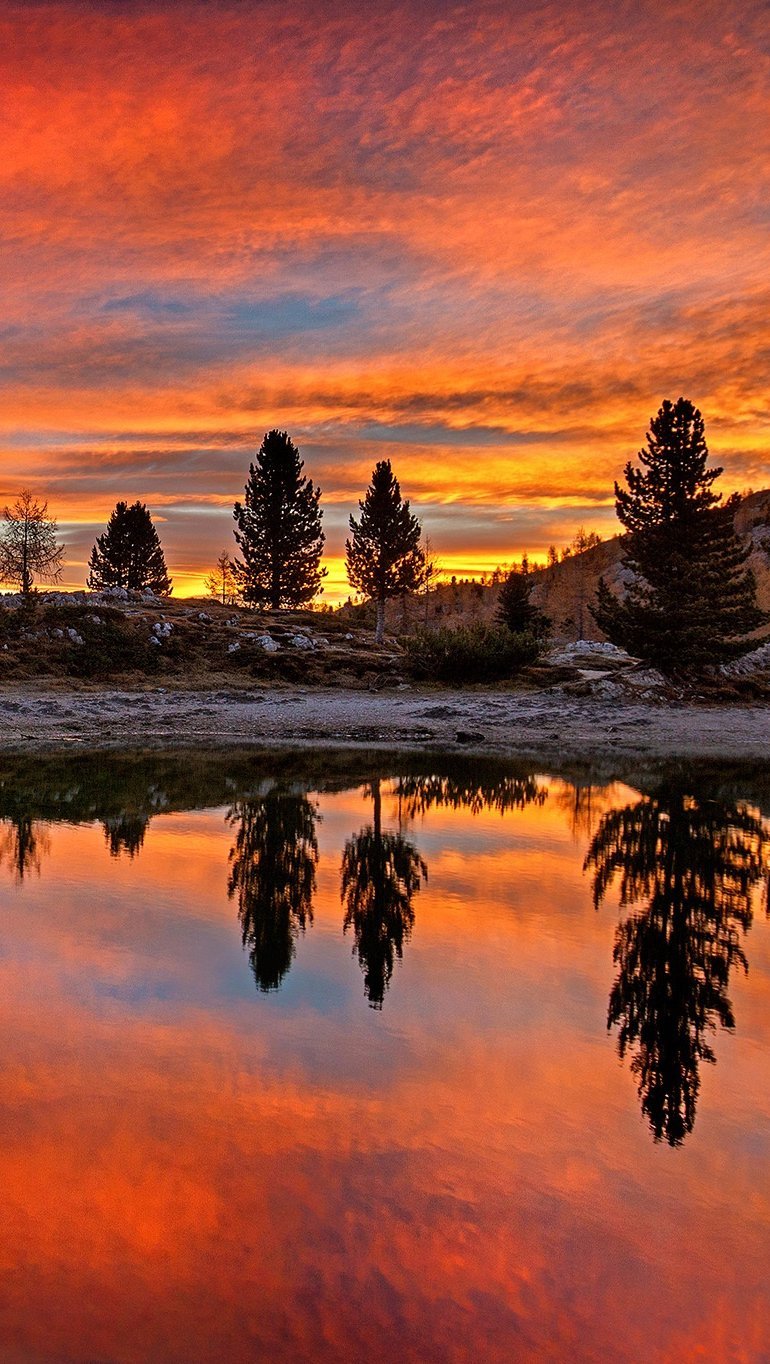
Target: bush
x,y
474,653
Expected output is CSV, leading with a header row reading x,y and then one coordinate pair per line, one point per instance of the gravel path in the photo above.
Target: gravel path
x,y
542,724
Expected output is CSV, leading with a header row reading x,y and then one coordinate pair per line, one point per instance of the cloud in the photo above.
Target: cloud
x,y
490,250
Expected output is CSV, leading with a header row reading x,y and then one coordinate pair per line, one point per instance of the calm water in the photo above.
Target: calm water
x,y
335,1064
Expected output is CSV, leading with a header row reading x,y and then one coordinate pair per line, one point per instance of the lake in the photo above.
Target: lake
x,y
336,1058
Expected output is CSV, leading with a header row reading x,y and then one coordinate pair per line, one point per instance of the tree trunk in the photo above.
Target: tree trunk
x,y
26,576
379,633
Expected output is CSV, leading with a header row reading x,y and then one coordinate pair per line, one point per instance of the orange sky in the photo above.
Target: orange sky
x,y
484,240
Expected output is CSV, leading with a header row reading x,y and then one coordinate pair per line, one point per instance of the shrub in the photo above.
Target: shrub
x,y
474,653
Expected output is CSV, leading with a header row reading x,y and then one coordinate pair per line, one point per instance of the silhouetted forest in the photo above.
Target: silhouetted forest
x,y
685,600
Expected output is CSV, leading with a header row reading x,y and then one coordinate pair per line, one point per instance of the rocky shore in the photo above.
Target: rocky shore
x,y
543,725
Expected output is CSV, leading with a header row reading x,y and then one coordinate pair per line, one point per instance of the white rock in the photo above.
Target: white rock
x,y
758,661
74,636
301,642
162,629
234,647
595,646
267,643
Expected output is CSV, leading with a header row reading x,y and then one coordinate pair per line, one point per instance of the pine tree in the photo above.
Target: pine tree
x,y
279,529
515,609
129,554
384,558
692,599
28,544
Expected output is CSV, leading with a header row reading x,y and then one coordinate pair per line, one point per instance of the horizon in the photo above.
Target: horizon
x,y
487,254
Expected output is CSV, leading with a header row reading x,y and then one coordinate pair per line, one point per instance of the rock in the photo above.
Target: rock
x,y
469,736
234,647
74,636
301,642
94,619
645,679
595,646
162,629
267,643
154,640
757,661
114,594
204,615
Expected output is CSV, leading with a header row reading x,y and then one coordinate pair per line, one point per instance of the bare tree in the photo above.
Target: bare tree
x,y
583,541
222,582
431,571
28,544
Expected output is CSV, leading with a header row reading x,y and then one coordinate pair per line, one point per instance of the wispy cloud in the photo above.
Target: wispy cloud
x,y
485,238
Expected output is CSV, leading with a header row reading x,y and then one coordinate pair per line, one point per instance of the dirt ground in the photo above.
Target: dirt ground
x,y
543,725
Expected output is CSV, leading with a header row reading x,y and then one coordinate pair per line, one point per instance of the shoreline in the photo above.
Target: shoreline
x,y
538,725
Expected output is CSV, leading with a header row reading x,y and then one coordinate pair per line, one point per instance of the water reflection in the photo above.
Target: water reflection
x,y
273,875
23,844
687,868
125,833
696,864
193,1171
381,874
420,794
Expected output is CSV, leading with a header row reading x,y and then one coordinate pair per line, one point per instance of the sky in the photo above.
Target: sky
x,y
483,240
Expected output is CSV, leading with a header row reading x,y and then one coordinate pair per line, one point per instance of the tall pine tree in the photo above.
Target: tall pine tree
x,y
279,529
129,554
384,558
692,599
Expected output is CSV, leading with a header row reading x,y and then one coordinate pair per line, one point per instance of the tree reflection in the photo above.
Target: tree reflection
x,y
696,864
23,844
125,833
272,873
381,874
420,794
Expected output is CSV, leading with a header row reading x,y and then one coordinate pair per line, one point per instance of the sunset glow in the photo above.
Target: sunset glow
x,y
486,253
